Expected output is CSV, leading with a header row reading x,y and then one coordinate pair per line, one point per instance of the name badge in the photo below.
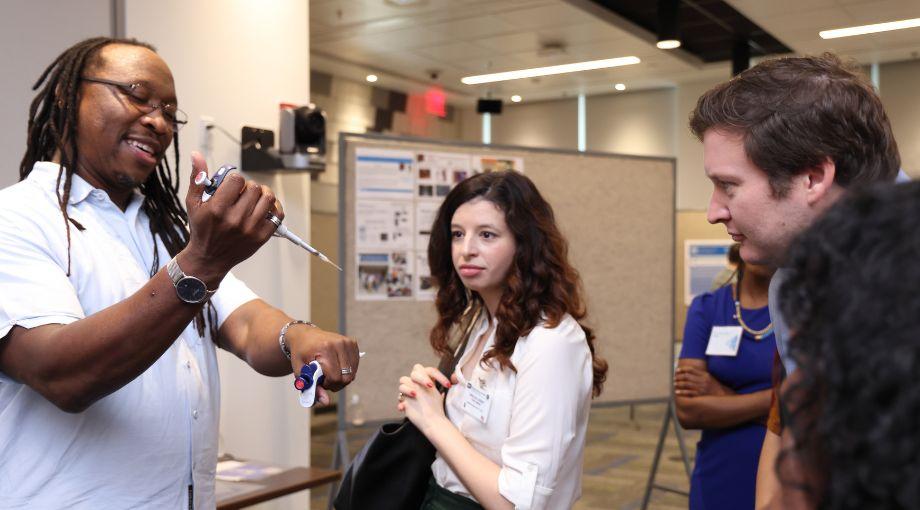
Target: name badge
x,y
724,341
477,403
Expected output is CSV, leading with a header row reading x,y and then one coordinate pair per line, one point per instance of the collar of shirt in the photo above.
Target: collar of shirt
x,y
45,174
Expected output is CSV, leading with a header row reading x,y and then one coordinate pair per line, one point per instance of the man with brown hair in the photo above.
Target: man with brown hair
x,y
782,142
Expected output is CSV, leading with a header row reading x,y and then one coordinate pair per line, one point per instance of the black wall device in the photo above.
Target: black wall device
x,y
489,106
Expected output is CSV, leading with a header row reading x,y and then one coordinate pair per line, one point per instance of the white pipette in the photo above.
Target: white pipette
x,y
280,230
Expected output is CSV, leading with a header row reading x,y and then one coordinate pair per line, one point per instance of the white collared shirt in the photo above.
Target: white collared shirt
x,y
536,424
144,444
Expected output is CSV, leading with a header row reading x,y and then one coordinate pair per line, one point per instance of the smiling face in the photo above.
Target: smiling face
x,y
482,249
743,200
118,144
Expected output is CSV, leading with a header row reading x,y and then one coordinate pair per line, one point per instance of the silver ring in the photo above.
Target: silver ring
x,y
401,397
347,371
274,219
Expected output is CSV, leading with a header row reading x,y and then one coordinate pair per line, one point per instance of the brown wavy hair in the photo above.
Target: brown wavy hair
x,y
540,282
795,112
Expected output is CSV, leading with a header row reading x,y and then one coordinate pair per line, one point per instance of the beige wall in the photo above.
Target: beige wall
x,y
645,123
693,188
32,33
549,124
640,123
898,84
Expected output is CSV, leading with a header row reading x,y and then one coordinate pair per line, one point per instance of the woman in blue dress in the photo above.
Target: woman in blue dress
x,y
723,385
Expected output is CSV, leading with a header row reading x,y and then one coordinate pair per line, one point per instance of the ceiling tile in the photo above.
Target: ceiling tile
x,y
456,51
551,14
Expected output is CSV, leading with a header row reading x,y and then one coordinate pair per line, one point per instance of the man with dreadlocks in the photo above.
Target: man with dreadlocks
x,y
114,297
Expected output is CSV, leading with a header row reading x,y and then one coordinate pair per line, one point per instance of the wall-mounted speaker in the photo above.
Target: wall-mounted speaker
x,y
493,106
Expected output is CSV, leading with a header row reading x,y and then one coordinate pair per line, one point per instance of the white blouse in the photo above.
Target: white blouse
x,y
536,424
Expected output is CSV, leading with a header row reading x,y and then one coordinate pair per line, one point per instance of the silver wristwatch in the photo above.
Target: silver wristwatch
x,y
188,288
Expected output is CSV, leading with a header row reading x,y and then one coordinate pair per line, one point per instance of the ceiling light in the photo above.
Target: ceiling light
x,y
550,70
870,29
668,44
620,86
515,98
371,78
668,38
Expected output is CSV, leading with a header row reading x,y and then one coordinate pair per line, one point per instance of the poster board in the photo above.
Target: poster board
x,y
617,213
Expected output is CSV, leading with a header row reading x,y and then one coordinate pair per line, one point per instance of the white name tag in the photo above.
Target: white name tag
x,y
477,403
724,341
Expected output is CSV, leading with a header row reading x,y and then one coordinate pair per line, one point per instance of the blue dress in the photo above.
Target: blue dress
x,y
726,459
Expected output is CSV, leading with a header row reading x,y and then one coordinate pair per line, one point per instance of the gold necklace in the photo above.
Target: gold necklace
x,y
757,334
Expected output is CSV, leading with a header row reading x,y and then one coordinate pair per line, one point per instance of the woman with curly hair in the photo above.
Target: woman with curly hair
x,y
511,433
854,403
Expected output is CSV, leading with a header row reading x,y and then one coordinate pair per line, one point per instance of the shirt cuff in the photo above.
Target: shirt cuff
x,y
517,483
29,323
34,322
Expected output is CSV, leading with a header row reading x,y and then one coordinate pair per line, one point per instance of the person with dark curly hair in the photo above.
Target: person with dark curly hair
x,y
723,385
853,404
783,141
513,432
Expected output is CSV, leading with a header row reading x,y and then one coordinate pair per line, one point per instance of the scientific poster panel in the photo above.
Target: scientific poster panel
x,y
425,289
384,275
384,174
384,224
397,196
704,259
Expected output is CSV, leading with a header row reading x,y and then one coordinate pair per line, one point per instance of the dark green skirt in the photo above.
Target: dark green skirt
x,y
439,498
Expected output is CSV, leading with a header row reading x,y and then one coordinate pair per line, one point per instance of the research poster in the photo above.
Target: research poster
x,y
384,174
384,224
397,197
704,259
497,163
384,276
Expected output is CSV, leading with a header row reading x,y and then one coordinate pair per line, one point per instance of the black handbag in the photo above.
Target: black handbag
x,y
392,470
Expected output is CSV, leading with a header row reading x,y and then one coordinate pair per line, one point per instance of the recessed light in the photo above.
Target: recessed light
x,y
550,70
515,98
620,86
371,78
668,44
870,29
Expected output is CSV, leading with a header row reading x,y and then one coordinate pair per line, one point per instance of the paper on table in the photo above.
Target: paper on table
x,y
238,471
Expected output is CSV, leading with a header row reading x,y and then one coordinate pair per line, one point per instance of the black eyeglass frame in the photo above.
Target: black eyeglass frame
x,y
128,90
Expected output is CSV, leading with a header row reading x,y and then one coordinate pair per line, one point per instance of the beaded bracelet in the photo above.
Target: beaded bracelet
x,y
282,343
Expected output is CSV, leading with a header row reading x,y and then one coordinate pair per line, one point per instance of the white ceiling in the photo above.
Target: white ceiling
x,y
457,38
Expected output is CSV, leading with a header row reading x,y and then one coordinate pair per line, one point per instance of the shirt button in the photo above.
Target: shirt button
x,y
195,414
188,365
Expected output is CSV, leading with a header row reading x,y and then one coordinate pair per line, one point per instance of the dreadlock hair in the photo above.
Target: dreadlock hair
x,y
52,130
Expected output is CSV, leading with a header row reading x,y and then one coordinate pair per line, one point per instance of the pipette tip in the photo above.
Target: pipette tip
x,y
326,259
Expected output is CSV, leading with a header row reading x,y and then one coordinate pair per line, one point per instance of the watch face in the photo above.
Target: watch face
x,y
191,290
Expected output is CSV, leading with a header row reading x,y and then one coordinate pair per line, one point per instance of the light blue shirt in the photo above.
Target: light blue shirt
x,y
141,446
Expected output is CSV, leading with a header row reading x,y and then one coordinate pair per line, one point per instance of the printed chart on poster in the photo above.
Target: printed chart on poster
x,y
704,259
398,194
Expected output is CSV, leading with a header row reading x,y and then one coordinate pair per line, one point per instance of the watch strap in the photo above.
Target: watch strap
x,y
176,274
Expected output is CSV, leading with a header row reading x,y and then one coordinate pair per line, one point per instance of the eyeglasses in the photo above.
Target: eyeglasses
x,y
140,94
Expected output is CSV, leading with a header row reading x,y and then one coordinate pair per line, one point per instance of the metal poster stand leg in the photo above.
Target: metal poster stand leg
x,y
340,455
670,417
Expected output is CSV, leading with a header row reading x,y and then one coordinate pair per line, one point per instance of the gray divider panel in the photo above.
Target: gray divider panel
x,y
617,213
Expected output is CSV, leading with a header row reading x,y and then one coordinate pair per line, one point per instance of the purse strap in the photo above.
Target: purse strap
x,y
449,362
